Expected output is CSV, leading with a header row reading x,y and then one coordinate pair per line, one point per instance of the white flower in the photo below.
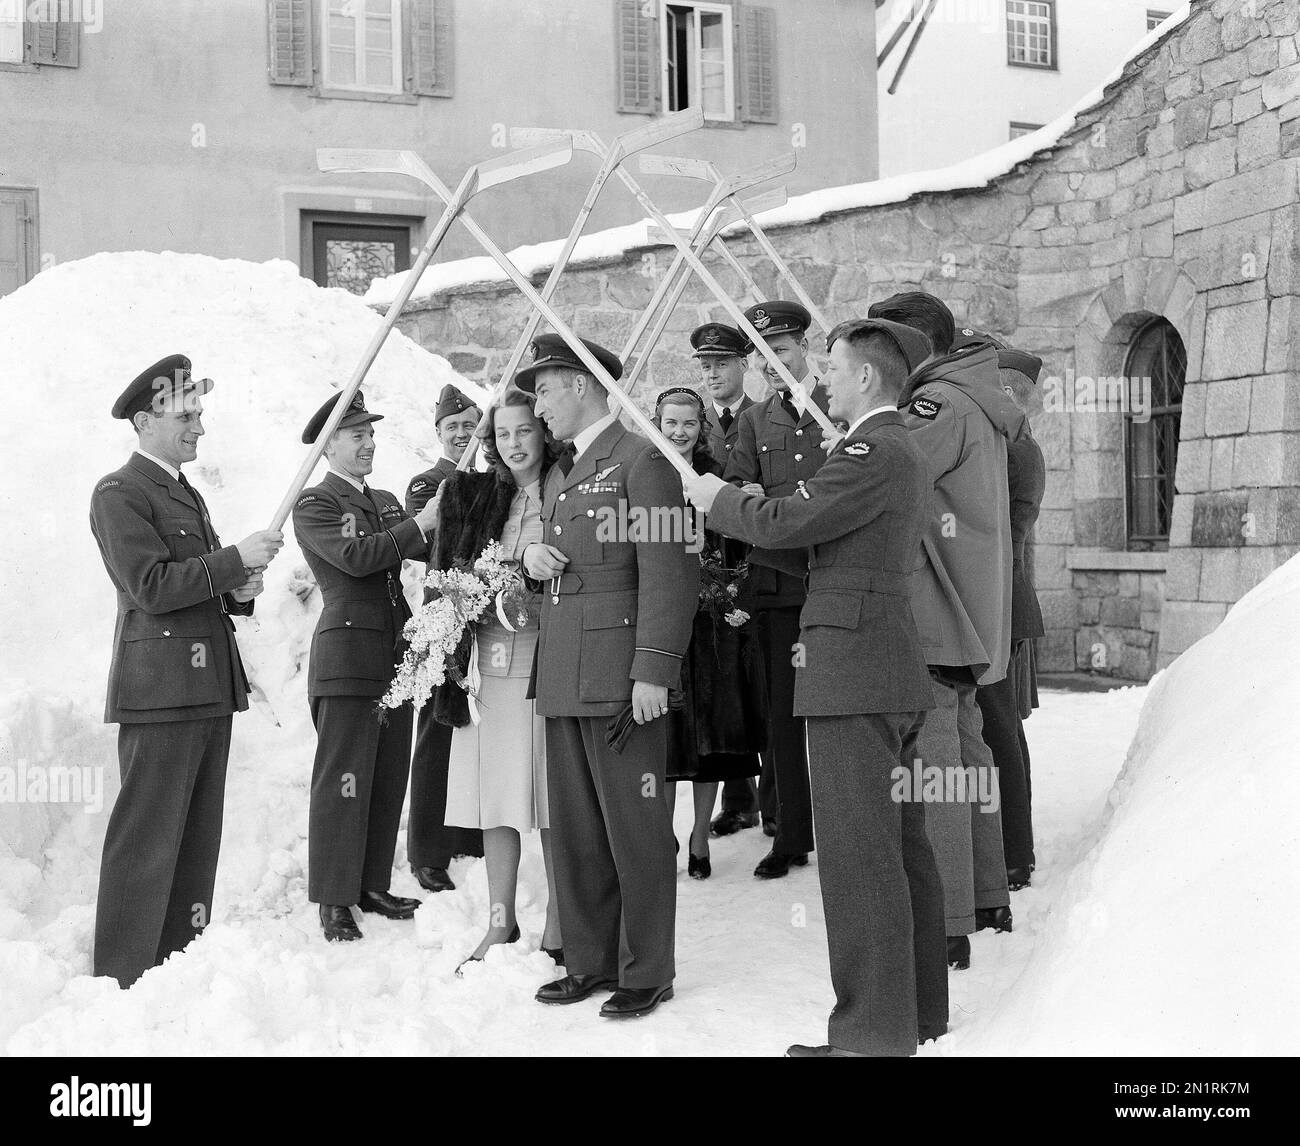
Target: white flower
x,y
736,618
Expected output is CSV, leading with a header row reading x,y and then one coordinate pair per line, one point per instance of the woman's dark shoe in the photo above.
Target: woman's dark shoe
x,y
698,867
513,937
556,954
959,952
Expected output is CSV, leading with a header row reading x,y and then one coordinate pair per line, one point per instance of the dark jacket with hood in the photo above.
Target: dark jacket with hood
x,y
962,421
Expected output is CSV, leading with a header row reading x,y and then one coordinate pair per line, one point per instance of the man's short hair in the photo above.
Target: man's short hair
x,y
921,312
882,352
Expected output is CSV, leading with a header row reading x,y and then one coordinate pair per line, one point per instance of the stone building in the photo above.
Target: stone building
x,y
1149,254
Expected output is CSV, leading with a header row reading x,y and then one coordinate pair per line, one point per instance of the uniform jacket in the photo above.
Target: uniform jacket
x,y
174,651
625,605
778,452
962,421
1026,481
355,545
866,511
721,444
422,487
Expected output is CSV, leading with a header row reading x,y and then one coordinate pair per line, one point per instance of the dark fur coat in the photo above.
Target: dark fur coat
x,y
473,512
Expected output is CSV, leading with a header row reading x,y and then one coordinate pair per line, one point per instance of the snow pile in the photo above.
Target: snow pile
x,y
69,342
975,172
1174,931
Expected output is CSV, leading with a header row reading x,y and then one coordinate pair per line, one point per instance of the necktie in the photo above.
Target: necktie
x,y
725,419
565,460
788,403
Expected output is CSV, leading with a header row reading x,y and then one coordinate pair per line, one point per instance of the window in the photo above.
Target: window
x,y
53,42
362,49
1155,19
17,237
348,251
719,56
392,50
1031,33
1156,371
699,59
1019,129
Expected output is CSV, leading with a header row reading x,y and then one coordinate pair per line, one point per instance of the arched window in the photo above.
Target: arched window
x,y
1156,371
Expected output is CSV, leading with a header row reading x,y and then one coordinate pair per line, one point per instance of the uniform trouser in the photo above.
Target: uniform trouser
x,y
429,841
612,848
357,785
160,850
965,830
880,886
1004,733
747,795
787,754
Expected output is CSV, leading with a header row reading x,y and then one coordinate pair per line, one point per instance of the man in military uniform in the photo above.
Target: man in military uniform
x,y
354,538
864,690
723,354
617,608
176,677
430,844
962,421
777,449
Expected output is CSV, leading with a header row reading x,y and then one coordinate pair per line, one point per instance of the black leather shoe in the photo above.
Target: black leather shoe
x,y
389,906
770,828
337,923
698,867
729,823
1017,877
632,1002
801,1051
574,988
774,865
998,918
959,952
513,937
556,954
433,878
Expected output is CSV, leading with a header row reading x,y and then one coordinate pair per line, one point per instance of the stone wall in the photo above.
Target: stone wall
x,y
1176,195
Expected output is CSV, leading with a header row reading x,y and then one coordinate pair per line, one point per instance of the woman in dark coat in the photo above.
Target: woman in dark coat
x,y
719,730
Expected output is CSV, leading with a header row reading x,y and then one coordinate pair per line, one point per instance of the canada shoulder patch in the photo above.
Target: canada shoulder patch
x,y
927,408
418,485
858,449
308,498
111,483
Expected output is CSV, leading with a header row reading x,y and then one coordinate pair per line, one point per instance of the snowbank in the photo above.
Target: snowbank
x,y
978,171
69,342
1175,931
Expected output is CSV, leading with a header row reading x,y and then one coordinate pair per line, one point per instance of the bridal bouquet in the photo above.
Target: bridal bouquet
x,y
720,586
438,629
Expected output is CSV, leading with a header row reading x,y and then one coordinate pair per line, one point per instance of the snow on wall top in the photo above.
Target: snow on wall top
x,y
978,171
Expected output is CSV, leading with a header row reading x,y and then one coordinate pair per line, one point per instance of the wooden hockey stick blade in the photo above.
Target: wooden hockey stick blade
x,y
517,164
679,166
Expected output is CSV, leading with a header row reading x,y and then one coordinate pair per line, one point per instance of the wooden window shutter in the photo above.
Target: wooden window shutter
x,y
637,42
289,55
758,65
429,68
54,42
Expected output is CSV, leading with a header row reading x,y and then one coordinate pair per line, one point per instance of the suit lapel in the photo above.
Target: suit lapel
x,y
594,455
161,477
822,399
354,497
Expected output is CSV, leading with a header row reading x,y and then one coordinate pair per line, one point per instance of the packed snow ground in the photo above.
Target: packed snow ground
x,y
751,954
1161,920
